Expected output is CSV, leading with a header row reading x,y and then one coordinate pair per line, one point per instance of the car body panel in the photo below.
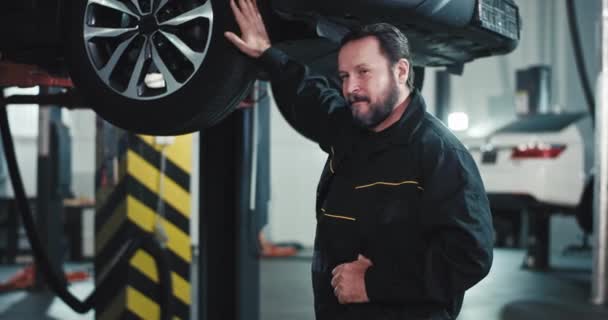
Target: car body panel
x,y
31,32
453,13
557,182
441,32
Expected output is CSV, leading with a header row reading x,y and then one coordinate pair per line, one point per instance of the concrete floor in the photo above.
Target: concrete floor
x,y
508,293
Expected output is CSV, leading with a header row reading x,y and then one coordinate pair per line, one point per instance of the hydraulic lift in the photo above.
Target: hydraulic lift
x,y
229,253
228,285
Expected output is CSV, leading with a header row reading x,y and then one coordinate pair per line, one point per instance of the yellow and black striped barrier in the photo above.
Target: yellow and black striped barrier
x,y
142,182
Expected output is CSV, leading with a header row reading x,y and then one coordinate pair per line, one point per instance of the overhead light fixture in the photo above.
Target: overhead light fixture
x,y
458,121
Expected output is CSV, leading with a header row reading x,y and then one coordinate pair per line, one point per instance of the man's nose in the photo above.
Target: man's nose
x,y
352,87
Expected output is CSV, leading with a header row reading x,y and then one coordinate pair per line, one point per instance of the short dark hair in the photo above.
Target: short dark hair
x,y
393,43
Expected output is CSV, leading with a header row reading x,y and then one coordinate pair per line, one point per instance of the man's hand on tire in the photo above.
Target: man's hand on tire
x,y
254,39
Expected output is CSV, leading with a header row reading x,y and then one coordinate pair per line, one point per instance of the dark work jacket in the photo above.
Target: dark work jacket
x,y
409,198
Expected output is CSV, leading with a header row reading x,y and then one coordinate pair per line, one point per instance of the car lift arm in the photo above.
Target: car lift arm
x,y
22,75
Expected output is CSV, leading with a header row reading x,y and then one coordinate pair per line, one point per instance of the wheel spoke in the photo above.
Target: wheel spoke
x,y
136,4
193,56
116,5
137,71
203,11
95,32
170,81
161,4
106,71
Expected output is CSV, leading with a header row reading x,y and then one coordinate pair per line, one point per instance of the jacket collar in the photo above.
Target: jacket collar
x,y
402,131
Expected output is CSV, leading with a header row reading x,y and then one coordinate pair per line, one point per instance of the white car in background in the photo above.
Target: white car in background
x,y
539,163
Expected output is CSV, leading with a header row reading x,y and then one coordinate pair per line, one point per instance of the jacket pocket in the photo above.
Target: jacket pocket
x,y
339,236
391,201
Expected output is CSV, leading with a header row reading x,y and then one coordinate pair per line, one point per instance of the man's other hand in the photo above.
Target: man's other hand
x,y
254,39
349,281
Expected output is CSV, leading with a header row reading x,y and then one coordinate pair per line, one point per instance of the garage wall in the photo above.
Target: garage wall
x,y
82,130
26,150
295,167
23,120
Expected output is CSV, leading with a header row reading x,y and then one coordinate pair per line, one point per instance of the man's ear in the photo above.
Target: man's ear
x,y
403,70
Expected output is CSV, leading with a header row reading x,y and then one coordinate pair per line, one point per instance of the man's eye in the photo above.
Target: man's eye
x,y
364,71
343,77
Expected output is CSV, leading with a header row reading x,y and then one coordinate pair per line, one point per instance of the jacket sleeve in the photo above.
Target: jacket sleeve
x,y
308,101
455,222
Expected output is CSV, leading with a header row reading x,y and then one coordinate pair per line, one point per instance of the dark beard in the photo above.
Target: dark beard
x,y
378,111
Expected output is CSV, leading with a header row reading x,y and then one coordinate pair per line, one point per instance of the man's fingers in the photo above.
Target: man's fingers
x,y
341,298
254,3
236,10
233,38
335,280
238,16
336,269
364,259
260,26
251,9
254,38
337,294
238,42
255,21
246,9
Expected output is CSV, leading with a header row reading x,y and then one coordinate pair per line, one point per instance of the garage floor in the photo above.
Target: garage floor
x,y
508,293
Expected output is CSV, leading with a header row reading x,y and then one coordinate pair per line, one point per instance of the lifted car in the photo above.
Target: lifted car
x,y
541,164
110,48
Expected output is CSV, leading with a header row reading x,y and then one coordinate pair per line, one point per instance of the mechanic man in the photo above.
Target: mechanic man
x,y
403,222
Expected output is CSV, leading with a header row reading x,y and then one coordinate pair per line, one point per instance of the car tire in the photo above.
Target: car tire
x,y
202,96
584,211
507,228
